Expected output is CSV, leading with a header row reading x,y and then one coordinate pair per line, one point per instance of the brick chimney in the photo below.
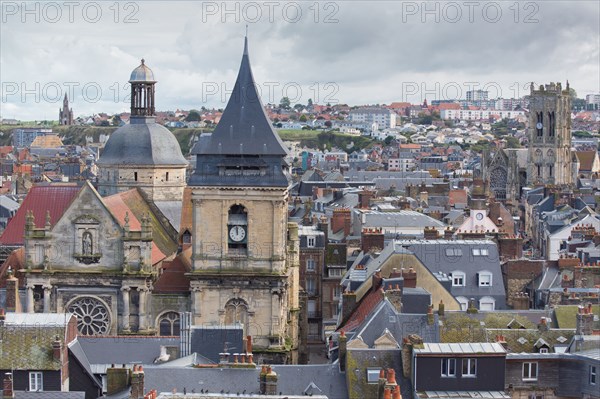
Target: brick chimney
x,y
117,379
271,382
364,199
431,233
410,278
13,303
448,233
137,383
2,317
441,309
585,320
381,384
348,303
324,227
341,219
8,386
342,348
371,238
394,295
57,349
502,341
510,247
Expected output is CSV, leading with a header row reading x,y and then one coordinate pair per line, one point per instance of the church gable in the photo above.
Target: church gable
x,y
86,236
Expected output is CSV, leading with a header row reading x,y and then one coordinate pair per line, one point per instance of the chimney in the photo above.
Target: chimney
x,y
263,380
396,393
2,317
376,280
57,349
410,278
424,198
371,238
430,233
342,342
364,199
348,304
8,386
381,384
137,383
324,227
585,320
441,309
271,382
117,379
448,233
394,295
430,318
521,301
13,303
543,326
502,341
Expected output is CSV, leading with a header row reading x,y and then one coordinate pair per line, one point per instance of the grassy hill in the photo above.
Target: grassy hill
x,y
75,135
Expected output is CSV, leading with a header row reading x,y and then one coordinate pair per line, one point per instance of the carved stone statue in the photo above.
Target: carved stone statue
x,y
86,242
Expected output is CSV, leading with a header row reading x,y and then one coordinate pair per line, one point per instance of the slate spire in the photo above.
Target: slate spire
x,y
244,128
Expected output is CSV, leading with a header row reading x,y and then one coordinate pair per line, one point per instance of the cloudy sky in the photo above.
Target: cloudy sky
x,y
353,52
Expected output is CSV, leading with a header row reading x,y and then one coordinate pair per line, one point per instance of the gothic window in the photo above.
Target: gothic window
x,y
87,244
93,318
236,312
550,170
539,171
168,324
551,124
498,182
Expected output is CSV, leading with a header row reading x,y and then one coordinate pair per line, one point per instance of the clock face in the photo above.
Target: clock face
x,y
237,233
539,125
479,216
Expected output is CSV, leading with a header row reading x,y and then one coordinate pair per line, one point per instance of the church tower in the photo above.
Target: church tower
x,y
65,114
549,155
143,153
245,253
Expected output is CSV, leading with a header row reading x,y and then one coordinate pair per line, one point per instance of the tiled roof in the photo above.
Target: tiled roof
x,y
173,279
28,348
586,159
16,260
132,202
363,310
53,198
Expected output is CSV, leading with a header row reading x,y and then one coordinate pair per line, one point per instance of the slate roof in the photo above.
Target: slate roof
x,y
78,353
142,142
244,128
42,198
448,256
209,341
292,379
49,395
28,348
124,349
402,218
400,325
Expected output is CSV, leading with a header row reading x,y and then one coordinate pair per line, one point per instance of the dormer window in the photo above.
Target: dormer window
x,y
310,242
458,279
485,279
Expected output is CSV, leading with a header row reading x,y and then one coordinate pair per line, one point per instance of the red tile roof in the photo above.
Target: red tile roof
x,y
364,309
132,203
54,198
16,260
173,280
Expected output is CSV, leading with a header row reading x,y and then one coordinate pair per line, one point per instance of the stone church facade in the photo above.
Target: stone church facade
x,y
547,160
126,260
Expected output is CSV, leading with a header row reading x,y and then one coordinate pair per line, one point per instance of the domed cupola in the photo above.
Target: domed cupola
x,y
143,153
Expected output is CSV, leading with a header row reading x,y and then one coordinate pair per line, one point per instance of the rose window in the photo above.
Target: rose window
x,y
93,317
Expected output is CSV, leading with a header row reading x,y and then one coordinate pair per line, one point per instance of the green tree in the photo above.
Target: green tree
x,y
193,116
284,103
388,140
310,102
303,118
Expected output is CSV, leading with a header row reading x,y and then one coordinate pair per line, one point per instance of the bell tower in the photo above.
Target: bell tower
x,y
549,155
245,253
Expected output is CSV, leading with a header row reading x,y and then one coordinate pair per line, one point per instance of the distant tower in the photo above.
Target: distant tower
x,y
143,153
65,114
549,156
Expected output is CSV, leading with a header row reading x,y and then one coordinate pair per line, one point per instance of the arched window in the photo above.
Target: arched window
x,y
168,324
236,312
237,230
464,302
